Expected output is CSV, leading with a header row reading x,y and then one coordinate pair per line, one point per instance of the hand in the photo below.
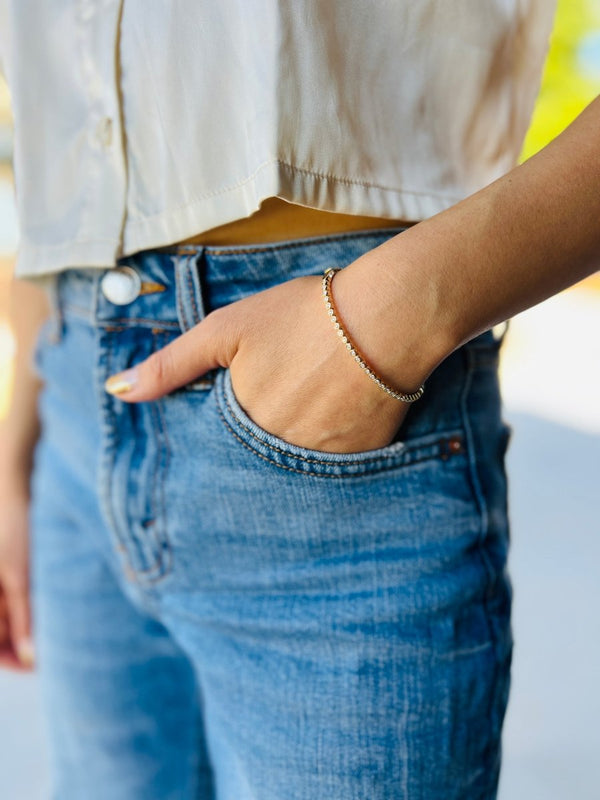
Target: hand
x,y
290,371
16,649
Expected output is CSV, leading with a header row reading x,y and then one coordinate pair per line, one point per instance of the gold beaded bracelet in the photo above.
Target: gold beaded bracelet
x,y
405,397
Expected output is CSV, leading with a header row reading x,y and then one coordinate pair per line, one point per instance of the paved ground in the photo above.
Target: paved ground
x,y
552,736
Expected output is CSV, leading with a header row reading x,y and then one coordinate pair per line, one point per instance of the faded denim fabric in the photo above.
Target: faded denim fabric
x,y
221,614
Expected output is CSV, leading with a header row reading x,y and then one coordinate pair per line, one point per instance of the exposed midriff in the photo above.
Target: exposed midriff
x,y
278,220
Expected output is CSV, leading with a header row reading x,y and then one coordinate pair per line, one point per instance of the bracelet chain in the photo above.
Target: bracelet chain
x,y
405,397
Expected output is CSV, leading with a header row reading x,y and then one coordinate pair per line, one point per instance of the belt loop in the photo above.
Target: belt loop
x,y
190,305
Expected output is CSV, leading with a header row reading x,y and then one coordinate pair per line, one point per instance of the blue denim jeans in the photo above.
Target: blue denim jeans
x,y
221,614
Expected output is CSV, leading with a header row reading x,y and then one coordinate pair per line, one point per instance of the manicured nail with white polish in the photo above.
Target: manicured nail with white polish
x,y
121,382
25,652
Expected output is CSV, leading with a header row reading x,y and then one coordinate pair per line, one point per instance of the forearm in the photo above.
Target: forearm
x,y
520,240
19,430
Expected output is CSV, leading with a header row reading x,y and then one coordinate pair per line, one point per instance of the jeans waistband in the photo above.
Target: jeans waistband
x,y
180,285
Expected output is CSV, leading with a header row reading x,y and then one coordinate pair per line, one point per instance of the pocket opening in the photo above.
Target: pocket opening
x,y
438,444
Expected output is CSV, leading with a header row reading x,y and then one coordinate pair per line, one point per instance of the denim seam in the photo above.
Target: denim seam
x,y
179,303
165,544
494,638
472,460
312,473
157,569
123,547
155,509
125,320
108,463
165,458
479,497
190,285
104,323
165,554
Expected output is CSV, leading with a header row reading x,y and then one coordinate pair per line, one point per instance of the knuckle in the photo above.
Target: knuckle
x,y
159,368
227,328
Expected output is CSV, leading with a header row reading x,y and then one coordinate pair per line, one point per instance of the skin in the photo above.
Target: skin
x,y
19,431
406,304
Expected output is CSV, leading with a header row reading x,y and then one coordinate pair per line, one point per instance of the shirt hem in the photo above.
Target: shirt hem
x,y
296,185
272,179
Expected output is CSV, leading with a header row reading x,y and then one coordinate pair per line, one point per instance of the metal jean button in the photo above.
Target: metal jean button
x,y
121,285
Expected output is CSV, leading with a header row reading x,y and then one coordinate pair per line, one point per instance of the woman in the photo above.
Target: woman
x,y
263,565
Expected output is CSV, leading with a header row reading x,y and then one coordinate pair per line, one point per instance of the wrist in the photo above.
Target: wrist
x,y
391,314
397,394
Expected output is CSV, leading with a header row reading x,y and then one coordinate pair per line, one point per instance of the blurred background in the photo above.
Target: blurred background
x,y
551,386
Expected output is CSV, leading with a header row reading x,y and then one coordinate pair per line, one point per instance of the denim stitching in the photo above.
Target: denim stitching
x,y
179,302
108,453
471,358
123,545
323,461
314,474
158,511
153,408
188,276
106,323
155,570
166,457
163,541
404,462
476,488
125,320
493,637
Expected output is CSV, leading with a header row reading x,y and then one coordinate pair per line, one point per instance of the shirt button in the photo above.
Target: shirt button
x,y
104,131
121,285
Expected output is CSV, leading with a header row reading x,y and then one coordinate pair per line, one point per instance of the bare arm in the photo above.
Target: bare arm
x,y
18,434
20,428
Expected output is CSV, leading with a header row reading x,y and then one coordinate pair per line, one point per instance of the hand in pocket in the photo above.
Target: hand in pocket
x,y
290,371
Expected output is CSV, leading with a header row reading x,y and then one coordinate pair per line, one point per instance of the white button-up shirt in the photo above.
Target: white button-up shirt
x,y
139,123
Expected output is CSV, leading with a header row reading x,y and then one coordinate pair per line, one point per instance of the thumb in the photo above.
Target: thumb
x,y
209,344
19,615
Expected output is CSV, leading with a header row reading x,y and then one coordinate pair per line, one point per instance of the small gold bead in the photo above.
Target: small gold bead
x,y
326,286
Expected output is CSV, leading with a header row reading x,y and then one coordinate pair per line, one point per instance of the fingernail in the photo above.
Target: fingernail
x,y
25,652
122,382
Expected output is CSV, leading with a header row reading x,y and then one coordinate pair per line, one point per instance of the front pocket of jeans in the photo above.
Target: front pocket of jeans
x,y
271,448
